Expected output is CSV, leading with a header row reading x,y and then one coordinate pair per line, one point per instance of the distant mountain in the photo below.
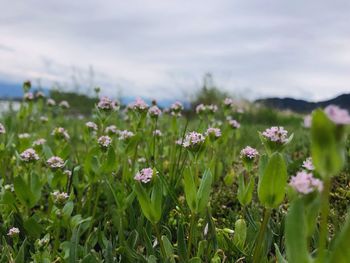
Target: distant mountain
x,y
303,106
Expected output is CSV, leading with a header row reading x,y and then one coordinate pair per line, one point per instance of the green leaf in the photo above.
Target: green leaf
x,y
203,193
240,234
195,260
340,250
181,242
20,256
245,192
280,258
23,192
272,183
295,233
190,190
145,202
32,227
156,199
169,250
327,147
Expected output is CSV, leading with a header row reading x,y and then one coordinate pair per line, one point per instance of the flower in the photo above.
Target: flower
x,y
144,176
139,105
29,155
106,104
91,126
154,111
104,141
13,231
55,162
28,96
337,115
276,134
249,153
39,142
60,133
308,165
305,183
141,160
112,129
200,108
44,119
23,135
60,198
125,135
50,102
193,140
176,108
213,133
64,104
68,173
39,95
2,129
228,102
234,124
157,133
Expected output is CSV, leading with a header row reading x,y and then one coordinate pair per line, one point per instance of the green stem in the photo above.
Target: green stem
x,y
260,241
191,234
324,220
159,238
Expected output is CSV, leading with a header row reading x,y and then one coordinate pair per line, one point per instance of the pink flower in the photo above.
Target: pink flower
x,y
228,102
91,126
29,155
55,162
106,104
39,142
2,129
234,124
249,152
104,141
337,115
144,176
157,133
154,111
139,104
276,134
13,231
193,139
112,129
176,107
125,135
200,108
213,132
305,183
60,133
308,165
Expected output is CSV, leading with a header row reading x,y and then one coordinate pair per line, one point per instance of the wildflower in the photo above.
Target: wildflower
x,y
91,126
104,141
213,133
39,95
29,155
28,96
64,104
305,183
44,119
228,102
68,173
106,104
139,105
55,162
39,142
145,175
276,134
60,133
50,102
60,198
308,165
193,140
13,231
200,108
2,129
234,124
176,108
337,115
157,133
249,153
23,135
141,160
112,129
125,135
154,111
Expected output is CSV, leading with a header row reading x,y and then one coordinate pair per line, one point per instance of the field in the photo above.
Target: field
x,y
140,184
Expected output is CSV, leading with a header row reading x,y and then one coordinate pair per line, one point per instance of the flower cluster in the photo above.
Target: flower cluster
x,y
308,165
154,111
276,134
112,129
228,102
28,96
125,135
249,153
157,133
64,104
91,126
60,133
193,139
213,133
106,104
305,183
176,108
13,231
50,102
55,162
2,129
104,141
337,115
29,155
60,198
139,105
234,124
39,142
201,108
145,175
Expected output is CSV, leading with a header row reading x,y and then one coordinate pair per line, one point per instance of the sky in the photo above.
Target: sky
x,y
162,49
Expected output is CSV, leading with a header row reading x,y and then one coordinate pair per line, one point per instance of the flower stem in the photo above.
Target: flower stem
x,y
191,234
159,238
260,241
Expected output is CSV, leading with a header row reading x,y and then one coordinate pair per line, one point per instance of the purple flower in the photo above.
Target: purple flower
x,y
193,139
249,153
228,102
157,133
125,135
200,108
104,141
337,115
39,142
234,124
112,129
176,107
276,134
308,165
29,155
13,231
144,176
305,183
139,105
106,104
55,162
154,111
213,132
91,126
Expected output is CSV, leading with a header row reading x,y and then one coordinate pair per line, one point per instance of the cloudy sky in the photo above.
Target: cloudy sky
x,y
162,48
